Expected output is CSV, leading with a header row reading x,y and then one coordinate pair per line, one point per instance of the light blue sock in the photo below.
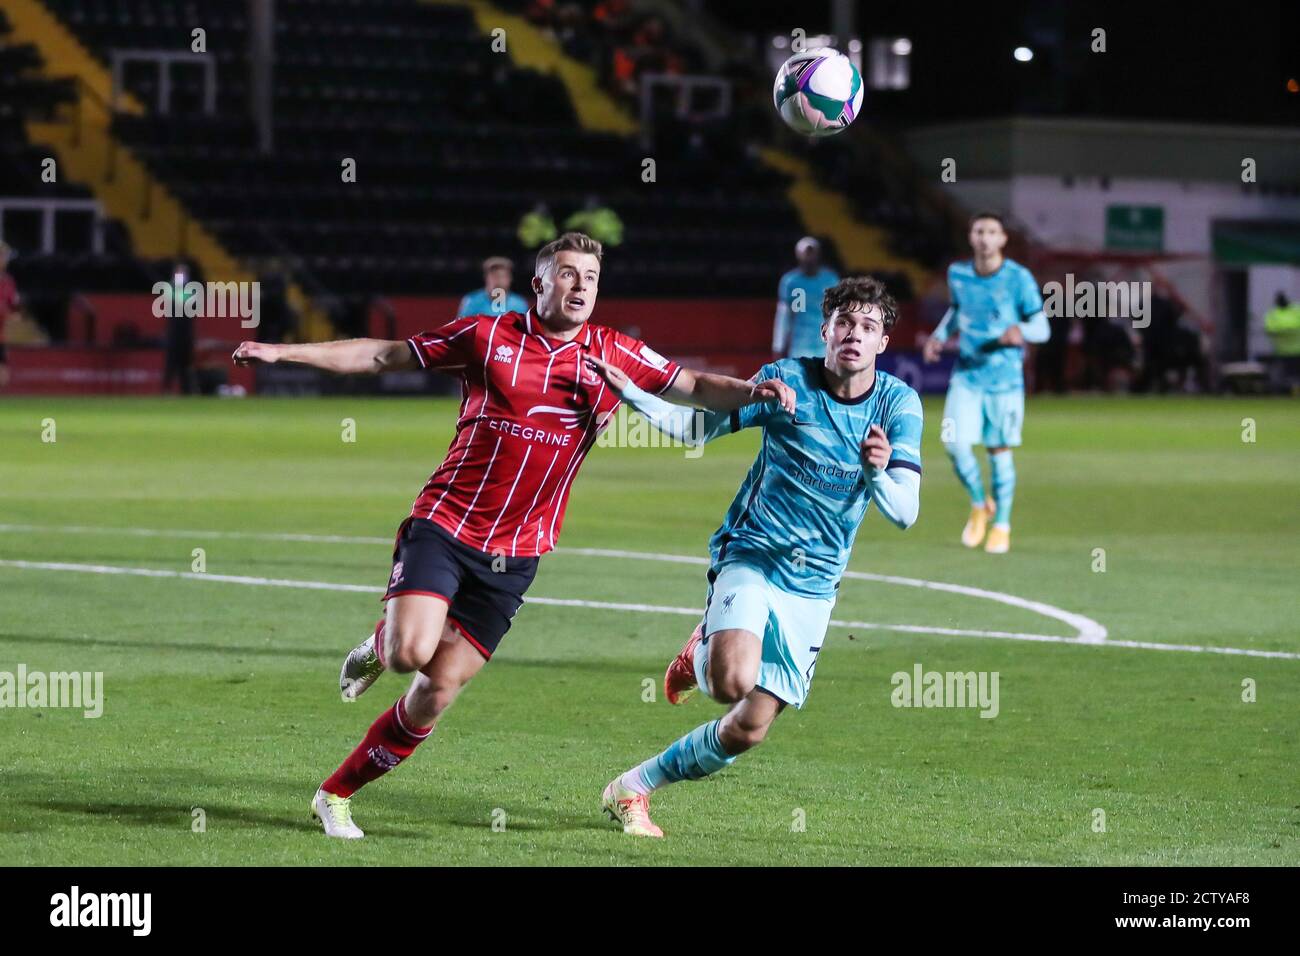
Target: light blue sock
x,y
967,467
693,757
1004,485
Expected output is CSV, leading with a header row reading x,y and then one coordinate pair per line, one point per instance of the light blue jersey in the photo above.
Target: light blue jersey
x,y
984,307
479,302
798,510
799,312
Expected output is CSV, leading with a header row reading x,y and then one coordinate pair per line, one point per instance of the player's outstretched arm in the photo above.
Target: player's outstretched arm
x,y
691,426
346,356
896,491
722,393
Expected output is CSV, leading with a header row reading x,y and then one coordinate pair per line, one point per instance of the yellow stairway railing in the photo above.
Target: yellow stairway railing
x,y
158,223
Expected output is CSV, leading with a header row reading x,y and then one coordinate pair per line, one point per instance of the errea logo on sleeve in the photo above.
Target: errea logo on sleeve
x,y
503,353
653,357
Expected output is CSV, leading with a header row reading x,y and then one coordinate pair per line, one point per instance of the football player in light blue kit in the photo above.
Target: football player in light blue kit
x,y
777,559
996,308
797,330
495,298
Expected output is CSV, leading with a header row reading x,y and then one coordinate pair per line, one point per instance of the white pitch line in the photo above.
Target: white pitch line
x,y
614,606
1087,630
187,575
177,533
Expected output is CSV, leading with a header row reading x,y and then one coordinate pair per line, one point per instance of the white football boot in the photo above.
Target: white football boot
x,y
361,668
335,815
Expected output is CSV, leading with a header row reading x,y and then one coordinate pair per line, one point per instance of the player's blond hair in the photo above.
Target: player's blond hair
x,y
569,242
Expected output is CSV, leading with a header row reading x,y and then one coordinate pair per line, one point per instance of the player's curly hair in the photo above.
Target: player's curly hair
x,y
569,242
860,291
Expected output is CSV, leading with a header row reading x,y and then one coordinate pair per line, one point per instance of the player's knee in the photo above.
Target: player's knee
x,y
408,650
730,688
955,450
403,659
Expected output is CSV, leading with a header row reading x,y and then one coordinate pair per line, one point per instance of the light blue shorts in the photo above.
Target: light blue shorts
x,y
791,627
991,419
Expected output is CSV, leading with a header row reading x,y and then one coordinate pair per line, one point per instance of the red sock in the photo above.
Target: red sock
x,y
379,643
389,741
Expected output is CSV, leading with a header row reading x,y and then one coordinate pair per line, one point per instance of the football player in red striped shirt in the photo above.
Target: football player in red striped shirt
x,y
530,410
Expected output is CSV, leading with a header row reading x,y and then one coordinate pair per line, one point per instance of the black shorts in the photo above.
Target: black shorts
x,y
482,591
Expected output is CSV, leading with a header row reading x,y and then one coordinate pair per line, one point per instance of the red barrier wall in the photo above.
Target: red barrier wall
x,y
75,370
730,336
114,312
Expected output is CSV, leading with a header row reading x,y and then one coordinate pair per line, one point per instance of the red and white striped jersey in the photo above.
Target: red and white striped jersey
x,y
530,411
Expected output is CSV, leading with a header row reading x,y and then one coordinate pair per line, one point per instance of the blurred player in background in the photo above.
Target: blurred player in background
x,y
797,331
777,559
530,412
996,307
9,303
178,338
495,298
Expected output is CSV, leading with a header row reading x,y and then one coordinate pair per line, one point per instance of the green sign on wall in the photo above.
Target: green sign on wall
x,y
1135,227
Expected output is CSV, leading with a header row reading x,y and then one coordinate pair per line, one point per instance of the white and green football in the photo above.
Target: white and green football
x,y
818,92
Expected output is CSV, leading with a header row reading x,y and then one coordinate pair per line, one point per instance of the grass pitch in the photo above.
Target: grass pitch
x,y
220,700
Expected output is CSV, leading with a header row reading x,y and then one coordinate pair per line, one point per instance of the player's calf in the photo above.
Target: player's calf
x,y
391,739
700,753
745,726
440,681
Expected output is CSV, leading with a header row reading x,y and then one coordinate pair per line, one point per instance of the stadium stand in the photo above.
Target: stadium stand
x,y
45,274
453,142
410,92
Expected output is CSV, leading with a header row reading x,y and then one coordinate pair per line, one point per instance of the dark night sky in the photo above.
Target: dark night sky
x,y
1209,62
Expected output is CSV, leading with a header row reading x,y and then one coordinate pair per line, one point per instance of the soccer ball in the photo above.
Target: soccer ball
x,y
818,92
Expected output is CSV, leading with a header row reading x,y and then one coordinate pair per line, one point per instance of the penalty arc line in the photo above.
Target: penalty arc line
x,y
1087,630
615,606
